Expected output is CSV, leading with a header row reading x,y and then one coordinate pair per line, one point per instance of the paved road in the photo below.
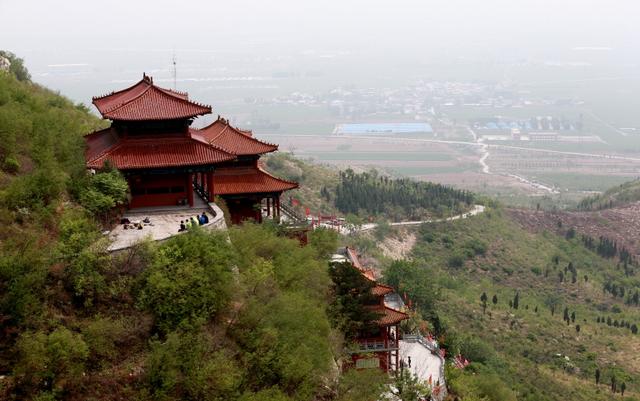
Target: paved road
x,y
477,209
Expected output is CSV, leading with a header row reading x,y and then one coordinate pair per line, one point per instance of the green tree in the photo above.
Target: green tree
x,y
494,299
407,387
105,191
416,281
189,280
552,301
352,294
361,385
597,376
17,67
188,366
324,241
56,358
613,383
483,299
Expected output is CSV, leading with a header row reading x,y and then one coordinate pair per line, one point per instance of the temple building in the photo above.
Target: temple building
x,y
381,347
166,162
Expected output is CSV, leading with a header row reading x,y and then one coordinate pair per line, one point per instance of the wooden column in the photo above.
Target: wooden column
x,y
210,185
268,207
190,189
277,212
397,345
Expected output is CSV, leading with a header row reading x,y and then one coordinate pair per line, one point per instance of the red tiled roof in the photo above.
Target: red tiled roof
x,y
99,142
238,142
353,257
230,181
389,316
156,152
381,289
145,101
355,261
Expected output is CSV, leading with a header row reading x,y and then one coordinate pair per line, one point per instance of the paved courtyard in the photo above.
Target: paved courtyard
x,y
163,223
424,364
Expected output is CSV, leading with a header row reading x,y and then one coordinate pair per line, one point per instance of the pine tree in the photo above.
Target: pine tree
x,y
516,300
613,383
495,299
597,376
483,299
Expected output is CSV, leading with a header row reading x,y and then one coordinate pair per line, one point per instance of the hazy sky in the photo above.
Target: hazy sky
x,y
84,47
252,25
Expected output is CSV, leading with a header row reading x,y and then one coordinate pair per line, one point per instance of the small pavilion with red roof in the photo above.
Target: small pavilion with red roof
x,y
379,349
166,162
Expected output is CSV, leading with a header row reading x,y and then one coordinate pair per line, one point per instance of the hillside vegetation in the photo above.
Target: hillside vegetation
x,y
530,311
237,315
369,194
616,196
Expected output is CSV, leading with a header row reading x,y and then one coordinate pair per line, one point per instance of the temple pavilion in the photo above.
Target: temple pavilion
x,y
380,348
166,162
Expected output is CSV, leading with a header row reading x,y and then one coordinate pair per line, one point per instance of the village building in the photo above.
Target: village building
x,y
166,162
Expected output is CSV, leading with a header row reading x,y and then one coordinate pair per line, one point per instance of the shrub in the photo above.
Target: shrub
x,y
476,350
189,280
86,258
56,357
105,191
34,190
324,241
11,165
186,366
477,246
456,260
101,336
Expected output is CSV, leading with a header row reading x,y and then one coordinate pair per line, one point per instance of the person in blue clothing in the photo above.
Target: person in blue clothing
x,y
204,218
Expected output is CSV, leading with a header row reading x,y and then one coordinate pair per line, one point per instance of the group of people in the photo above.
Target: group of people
x,y
194,221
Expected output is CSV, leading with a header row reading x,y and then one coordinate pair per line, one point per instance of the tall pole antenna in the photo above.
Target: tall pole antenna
x,y
175,71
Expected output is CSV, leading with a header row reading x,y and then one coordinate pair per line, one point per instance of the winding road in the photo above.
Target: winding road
x,y
477,209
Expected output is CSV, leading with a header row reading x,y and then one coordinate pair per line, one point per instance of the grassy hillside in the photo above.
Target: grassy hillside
x,y
533,351
616,196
